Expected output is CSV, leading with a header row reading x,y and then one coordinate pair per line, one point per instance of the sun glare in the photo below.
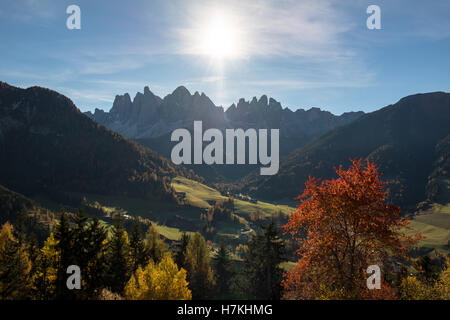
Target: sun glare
x,y
219,39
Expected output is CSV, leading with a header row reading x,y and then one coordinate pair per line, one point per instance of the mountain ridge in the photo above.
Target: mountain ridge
x,y
150,120
181,104
47,144
400,138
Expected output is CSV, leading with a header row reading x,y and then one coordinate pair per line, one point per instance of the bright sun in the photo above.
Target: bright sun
x,y
218,38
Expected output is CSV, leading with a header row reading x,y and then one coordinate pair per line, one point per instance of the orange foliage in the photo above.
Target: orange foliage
x,y
385,293
342,226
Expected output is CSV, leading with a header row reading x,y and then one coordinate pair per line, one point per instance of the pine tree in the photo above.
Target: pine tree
x,y
32,247
139,255
15,266
224,270
96,258
180,255
80,247
64,245
261,265
48,264
19,229
118,259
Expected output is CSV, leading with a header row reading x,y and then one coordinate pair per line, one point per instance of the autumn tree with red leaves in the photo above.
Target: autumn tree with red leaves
x,y
342,226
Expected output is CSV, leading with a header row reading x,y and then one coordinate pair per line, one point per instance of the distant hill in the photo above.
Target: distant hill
x,y
407,140
36,220
47,146
150,120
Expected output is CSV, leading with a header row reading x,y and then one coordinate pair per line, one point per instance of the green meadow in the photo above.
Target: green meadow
x,y
202,196
434,224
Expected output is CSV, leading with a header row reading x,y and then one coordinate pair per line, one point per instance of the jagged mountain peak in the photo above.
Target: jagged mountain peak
x,y
149,116
274,104
181,92
263,100
147,91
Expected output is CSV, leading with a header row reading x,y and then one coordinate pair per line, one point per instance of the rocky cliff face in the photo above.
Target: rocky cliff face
x,y
268,113
148,116
150,120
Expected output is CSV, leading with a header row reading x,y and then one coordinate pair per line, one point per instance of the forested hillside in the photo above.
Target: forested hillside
x,y
47,145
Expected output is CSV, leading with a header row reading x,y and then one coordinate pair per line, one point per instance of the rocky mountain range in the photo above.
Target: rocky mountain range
x,y
149,116
47,144
150,120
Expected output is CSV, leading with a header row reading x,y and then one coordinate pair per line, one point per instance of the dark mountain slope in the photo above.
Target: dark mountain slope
x,y
18,209
47,144
400,138
438,187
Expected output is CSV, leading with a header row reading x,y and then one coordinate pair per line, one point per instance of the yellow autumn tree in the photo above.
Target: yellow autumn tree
x,y
162,281
44,280
15,266
443,285
6,235
154,245
413,289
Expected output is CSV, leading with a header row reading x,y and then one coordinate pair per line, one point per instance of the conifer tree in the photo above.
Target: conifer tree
x,y
261,264
32,248
19,229
224,270
180,254
15,266
64,246
96,253
118,259
139,255
79,251
47,267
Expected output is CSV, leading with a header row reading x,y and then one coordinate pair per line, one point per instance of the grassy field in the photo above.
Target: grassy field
x,y
287,265
202,196
434,224
198,197
158,213
169,232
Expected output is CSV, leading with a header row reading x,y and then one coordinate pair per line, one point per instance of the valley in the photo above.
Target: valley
x,y
57,162
227,151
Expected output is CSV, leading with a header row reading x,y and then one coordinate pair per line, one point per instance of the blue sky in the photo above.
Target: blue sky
x,y
302,53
